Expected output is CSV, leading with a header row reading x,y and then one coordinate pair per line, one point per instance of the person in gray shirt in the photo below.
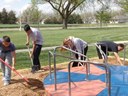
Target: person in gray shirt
x,y
77,45
37,41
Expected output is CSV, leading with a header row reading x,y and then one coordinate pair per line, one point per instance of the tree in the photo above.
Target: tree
x,y
35,12
0,17
88,17
103,17
123,4
35,15
64,7
25,15
75,19
53,18
4,16
31,15
12,17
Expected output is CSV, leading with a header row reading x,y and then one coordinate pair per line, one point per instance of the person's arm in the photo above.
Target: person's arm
x,y
117,58
13,58
27,40
78,48
33,48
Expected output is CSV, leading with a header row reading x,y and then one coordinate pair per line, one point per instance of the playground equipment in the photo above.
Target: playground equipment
x,y
105,65
86,66
54,59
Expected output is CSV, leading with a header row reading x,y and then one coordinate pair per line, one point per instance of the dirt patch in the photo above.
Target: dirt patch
x,y
111,60
19,87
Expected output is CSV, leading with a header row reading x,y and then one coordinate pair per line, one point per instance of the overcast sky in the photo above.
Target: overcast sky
x,y
20,5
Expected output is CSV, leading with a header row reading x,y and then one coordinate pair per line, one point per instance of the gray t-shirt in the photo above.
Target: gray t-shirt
x,y
4,49
36,36
79,44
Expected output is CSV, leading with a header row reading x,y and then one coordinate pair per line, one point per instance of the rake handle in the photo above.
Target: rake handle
x,y
14,70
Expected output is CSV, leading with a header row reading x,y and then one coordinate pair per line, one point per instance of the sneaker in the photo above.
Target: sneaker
x,y
6,83
39,67
33,69
3,79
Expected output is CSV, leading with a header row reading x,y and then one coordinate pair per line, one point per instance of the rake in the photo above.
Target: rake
x,y
14,70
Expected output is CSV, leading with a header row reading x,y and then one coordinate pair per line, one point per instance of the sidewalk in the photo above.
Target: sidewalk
x,y
43,48
73,27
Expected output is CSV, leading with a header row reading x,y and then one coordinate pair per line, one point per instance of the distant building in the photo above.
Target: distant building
x,y
119,19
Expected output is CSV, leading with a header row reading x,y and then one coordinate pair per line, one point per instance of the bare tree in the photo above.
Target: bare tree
x,y
103,15
64,7
31,15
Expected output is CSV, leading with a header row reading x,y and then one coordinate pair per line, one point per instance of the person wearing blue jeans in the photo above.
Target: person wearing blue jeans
x,y
37,40
7,54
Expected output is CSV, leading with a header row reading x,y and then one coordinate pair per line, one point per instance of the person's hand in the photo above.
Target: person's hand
x,y
31,55
27,43
13,67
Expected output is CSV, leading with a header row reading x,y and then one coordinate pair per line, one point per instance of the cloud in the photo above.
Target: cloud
x,y
20,5
24,8
46,8
7,7
8,4
11,1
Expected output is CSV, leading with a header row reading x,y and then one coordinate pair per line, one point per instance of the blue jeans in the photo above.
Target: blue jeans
x,y
6,71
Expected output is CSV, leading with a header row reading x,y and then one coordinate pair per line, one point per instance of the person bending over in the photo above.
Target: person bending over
x,y
37,41
7,54
110,46
78,45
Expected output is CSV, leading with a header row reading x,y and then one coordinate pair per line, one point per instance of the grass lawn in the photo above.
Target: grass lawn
x,y
55,37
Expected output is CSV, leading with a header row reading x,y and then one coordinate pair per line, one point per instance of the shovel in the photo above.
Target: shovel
x,y
29,56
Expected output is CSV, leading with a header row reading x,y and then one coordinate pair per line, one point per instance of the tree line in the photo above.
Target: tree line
x,y
64,12
7,17
66,7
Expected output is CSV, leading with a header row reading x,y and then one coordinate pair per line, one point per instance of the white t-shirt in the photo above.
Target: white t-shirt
x,y
36,36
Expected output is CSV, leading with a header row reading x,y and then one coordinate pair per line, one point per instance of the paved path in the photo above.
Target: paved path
x,y
43,48
51,28
49,48
17,29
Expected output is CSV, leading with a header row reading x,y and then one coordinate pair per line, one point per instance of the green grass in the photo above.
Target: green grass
x,y
56,37
23,60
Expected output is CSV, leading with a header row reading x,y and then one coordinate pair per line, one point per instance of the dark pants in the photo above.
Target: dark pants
x,y
104,49
36,54
75,64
